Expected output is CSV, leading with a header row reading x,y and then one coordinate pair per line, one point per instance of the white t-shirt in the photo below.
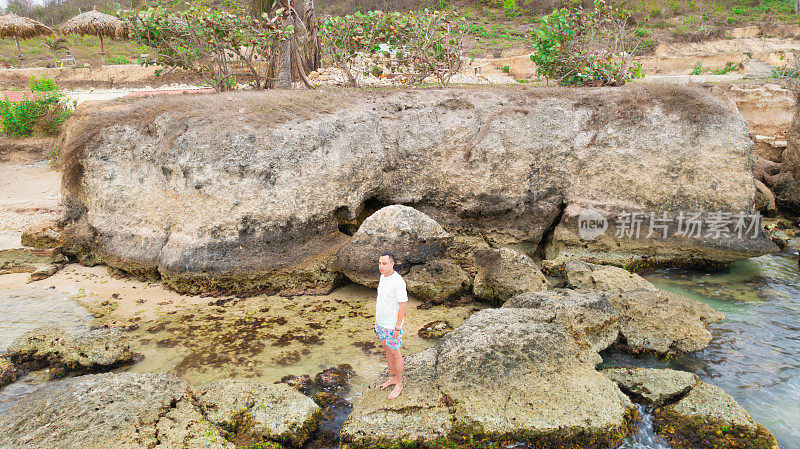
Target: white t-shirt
x,y
391,292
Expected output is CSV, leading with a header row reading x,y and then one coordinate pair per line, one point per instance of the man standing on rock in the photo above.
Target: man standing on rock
x,y
390,311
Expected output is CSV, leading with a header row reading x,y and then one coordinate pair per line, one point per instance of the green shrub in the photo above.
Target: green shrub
x,y
42,84
117,60
698,67
576,47
728,67
43,113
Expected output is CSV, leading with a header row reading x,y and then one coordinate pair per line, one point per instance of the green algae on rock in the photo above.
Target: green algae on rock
x,y
708,417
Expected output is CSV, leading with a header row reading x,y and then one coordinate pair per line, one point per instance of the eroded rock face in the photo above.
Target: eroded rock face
x,y
504,272
652,387
437,281
501,374
603,277
42,235
708,417
64,353
663,323
410,235
210,207
157,410
101,410
275,412
587,314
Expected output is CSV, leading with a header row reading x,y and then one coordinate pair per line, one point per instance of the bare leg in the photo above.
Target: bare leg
x,y
398,365
390,362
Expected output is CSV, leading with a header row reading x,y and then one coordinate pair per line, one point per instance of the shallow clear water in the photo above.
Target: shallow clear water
x,y
25,306
755,353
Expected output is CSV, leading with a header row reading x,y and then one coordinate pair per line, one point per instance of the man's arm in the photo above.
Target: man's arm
x,y
402,301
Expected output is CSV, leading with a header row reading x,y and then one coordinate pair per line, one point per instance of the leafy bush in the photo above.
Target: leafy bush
x,y
698,67
117,60
43,113
424,42
209,42
576,47
728,67
42,84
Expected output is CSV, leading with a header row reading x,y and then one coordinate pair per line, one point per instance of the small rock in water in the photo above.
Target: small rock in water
x,y
8,372
435,329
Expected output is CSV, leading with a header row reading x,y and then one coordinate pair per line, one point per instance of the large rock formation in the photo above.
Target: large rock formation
x,y
63,352
156,410
588,315
275,411
506,375
663,323
504,272
247,192
655,322
411,236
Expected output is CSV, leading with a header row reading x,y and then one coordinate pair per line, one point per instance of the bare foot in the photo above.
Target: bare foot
x,y
396,391
391,381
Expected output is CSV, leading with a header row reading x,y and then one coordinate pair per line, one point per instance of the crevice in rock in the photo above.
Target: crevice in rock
x,y
348,225
547,236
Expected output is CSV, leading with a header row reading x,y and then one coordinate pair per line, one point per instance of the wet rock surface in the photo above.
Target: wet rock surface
x,y
275,412
63,352
662,323
504,272
652,387
588,315
499,375
708,417
603,277
437,281
435,329
155,410
8,372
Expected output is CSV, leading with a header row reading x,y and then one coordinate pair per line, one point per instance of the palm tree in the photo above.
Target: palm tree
x,y
55,45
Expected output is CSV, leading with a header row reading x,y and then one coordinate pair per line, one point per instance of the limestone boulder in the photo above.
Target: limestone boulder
x,y
265,205
652,387
504,272
708,417
413,237
64,352
500,375
603,277
275,412
663,323
437,281
98,411
588,315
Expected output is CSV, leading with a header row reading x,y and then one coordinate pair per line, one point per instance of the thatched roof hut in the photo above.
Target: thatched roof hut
x,y
12,25
94,22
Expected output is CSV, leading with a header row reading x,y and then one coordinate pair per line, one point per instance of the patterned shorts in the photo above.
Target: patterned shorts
x,y
385,334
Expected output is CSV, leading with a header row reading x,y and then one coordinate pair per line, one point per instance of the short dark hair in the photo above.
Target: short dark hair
x,y
391,256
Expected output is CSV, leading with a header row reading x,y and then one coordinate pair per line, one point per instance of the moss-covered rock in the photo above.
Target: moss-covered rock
x,y
708,417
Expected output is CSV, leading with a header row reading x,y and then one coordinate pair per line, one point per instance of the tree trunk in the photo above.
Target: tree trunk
x,y
285,70
102,50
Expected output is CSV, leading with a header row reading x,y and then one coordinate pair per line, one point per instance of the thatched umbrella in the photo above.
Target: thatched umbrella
x,y
93,22
12,25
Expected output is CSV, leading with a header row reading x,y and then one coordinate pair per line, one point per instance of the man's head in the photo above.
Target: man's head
x,y
386,263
